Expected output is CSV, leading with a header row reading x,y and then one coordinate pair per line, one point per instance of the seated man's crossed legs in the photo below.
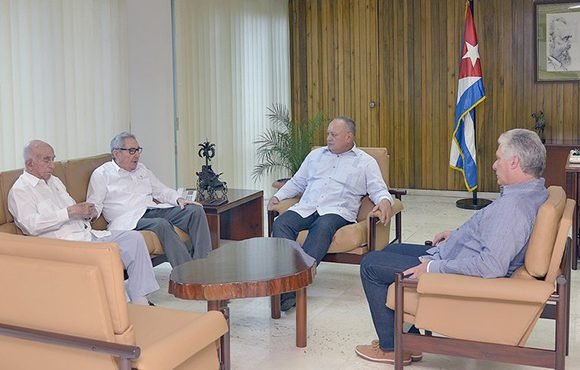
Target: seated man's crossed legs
x,y
321,230
378,270
190,219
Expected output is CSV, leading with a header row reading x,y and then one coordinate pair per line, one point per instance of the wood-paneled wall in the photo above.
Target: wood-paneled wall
x,y
392,65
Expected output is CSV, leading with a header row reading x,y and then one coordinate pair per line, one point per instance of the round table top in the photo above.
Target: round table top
x,y
256,267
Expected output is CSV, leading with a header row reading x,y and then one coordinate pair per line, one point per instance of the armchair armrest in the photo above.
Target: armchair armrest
x,y
283,205
397,209
279,208
398,193
125,353
499,289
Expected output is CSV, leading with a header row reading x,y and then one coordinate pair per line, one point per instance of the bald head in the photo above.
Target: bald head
x,y
39,159
340,138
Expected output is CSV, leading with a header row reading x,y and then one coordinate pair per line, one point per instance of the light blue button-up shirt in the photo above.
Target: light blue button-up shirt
x,y
335,183
493,242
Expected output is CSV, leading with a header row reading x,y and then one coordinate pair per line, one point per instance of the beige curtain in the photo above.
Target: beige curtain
x,y
231,62
63,76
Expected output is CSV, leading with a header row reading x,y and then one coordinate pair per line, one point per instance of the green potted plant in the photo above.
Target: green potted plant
x,y
286,144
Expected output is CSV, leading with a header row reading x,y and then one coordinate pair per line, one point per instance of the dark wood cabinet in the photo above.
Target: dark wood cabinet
x,y
559,172
556,159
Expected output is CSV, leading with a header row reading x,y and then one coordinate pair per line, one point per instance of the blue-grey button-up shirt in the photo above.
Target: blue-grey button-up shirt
x,y
493,242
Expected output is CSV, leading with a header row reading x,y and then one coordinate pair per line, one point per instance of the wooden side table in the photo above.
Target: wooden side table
x,y
241,217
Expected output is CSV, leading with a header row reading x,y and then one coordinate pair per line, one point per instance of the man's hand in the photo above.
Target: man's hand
x,y
82,211
384,207
440,237
182,202
415,272
273,201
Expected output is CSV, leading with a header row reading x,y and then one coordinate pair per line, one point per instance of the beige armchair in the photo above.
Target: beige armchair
x,y
63,307
351,242
492,318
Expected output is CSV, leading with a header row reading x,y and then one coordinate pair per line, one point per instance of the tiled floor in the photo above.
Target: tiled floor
x,y
338,316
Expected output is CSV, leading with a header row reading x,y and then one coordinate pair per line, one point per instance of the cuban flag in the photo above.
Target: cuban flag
x,y
470,94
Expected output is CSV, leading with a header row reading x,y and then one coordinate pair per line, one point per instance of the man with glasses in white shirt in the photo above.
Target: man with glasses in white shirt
x,y
131,197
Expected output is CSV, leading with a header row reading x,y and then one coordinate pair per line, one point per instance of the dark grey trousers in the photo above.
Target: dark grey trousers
x,y
190,219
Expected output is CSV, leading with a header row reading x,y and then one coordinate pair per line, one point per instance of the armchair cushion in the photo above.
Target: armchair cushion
x,y
77,288
541,243
160,332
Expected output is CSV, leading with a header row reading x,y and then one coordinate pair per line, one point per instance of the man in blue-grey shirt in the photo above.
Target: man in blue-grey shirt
x,y
332,180
491,244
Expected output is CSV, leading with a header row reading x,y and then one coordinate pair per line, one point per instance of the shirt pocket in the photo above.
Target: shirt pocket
x,y
352,178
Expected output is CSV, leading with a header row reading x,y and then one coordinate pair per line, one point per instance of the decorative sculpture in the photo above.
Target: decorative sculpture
x,y
540,124
210,189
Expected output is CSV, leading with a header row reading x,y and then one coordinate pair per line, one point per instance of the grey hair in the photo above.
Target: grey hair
x,y
350,125
29,147
119,140
27,151
528,147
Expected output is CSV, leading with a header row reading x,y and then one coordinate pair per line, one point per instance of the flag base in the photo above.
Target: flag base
x,y
473,204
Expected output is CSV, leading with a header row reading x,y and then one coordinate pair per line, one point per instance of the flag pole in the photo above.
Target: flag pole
x,y
474,203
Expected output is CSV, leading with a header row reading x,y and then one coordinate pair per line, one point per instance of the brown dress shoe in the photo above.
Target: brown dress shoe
x,y
415,355
376,354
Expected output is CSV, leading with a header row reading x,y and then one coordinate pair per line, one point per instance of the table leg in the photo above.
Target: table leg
x,y
224,353
275,306
301,318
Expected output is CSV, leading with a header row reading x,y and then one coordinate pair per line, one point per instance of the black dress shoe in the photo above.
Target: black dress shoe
x,y
287,301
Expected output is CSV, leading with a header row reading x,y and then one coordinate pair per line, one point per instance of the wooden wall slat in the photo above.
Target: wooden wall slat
x,y
404,54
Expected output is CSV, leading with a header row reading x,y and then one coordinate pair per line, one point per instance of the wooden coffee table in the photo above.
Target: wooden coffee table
x,y
257,267
241,217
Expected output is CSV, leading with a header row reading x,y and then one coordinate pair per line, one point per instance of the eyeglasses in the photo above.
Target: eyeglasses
x,y
131,150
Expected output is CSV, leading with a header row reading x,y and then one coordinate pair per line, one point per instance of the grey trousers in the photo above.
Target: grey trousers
x,y
137,261
190,219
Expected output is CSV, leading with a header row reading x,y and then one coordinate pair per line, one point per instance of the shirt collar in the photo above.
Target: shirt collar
x,y
354,149
117,168
532,185
31,179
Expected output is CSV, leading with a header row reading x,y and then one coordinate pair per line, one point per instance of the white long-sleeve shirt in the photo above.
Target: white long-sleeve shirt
x,y
123,196
335,183
40,209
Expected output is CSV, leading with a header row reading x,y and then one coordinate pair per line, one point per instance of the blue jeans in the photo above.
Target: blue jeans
x,y
321,230
377,272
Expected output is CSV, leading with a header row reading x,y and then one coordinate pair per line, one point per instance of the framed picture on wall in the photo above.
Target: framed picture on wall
x,y
557,27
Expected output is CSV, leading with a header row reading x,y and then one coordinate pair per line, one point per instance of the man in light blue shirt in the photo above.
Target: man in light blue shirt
x,y
491,244
332,180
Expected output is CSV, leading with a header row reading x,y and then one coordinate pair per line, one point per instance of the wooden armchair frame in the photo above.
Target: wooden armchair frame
x,y
556,307
125,353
